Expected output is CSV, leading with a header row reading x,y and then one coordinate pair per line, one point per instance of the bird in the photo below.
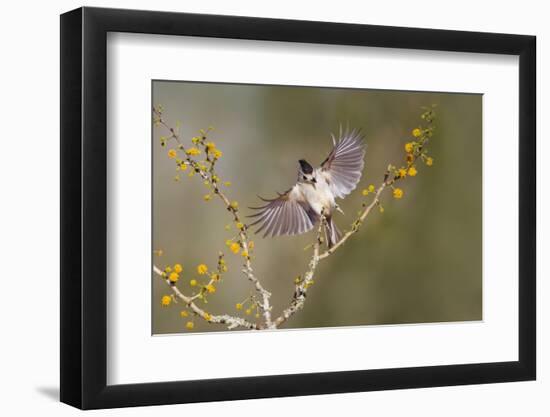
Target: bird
x,y
300,208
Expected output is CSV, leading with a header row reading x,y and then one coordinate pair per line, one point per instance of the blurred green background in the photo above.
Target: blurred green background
x,y
420,261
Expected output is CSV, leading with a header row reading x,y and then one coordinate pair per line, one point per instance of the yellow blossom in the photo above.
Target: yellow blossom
x,y
210,147
381,209
196,140
412,171
235,247
244,254
207,197
202,269
228,242
215,277
227,183
165,300
193,282
184,313
178,268
239,306
429,161
239,225
189,325
217,153
409,147
248,312
416,132
183,166
168,269
173,277
397,193
207,316
402,173
251,245
371,188
172,153
193,151
234,205
365,192
210,288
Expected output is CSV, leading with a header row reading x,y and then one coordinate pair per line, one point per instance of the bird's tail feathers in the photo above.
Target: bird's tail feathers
x,y
332,234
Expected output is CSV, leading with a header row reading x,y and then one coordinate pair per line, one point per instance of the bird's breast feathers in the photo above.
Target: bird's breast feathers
x,y
318,197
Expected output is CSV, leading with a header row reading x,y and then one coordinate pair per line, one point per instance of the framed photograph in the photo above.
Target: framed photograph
x,y
258,208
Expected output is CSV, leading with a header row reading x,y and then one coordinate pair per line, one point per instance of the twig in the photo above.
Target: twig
x,y
300,291
248,270
231,321
357,223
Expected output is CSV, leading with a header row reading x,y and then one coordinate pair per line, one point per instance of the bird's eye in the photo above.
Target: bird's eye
x,y
304,178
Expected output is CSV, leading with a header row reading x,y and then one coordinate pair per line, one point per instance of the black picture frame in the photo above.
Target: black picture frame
x,y
84,207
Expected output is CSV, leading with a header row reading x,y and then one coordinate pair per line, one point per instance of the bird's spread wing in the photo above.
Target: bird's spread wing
x,y
287,214
344,164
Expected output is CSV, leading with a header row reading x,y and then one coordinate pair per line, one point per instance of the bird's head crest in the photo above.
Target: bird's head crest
x,y
305,167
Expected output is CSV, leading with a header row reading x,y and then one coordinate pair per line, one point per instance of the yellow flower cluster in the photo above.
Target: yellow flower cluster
x,y
368,190
398,193
202,269
212,150
172,153
235,247
193,151
165,300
